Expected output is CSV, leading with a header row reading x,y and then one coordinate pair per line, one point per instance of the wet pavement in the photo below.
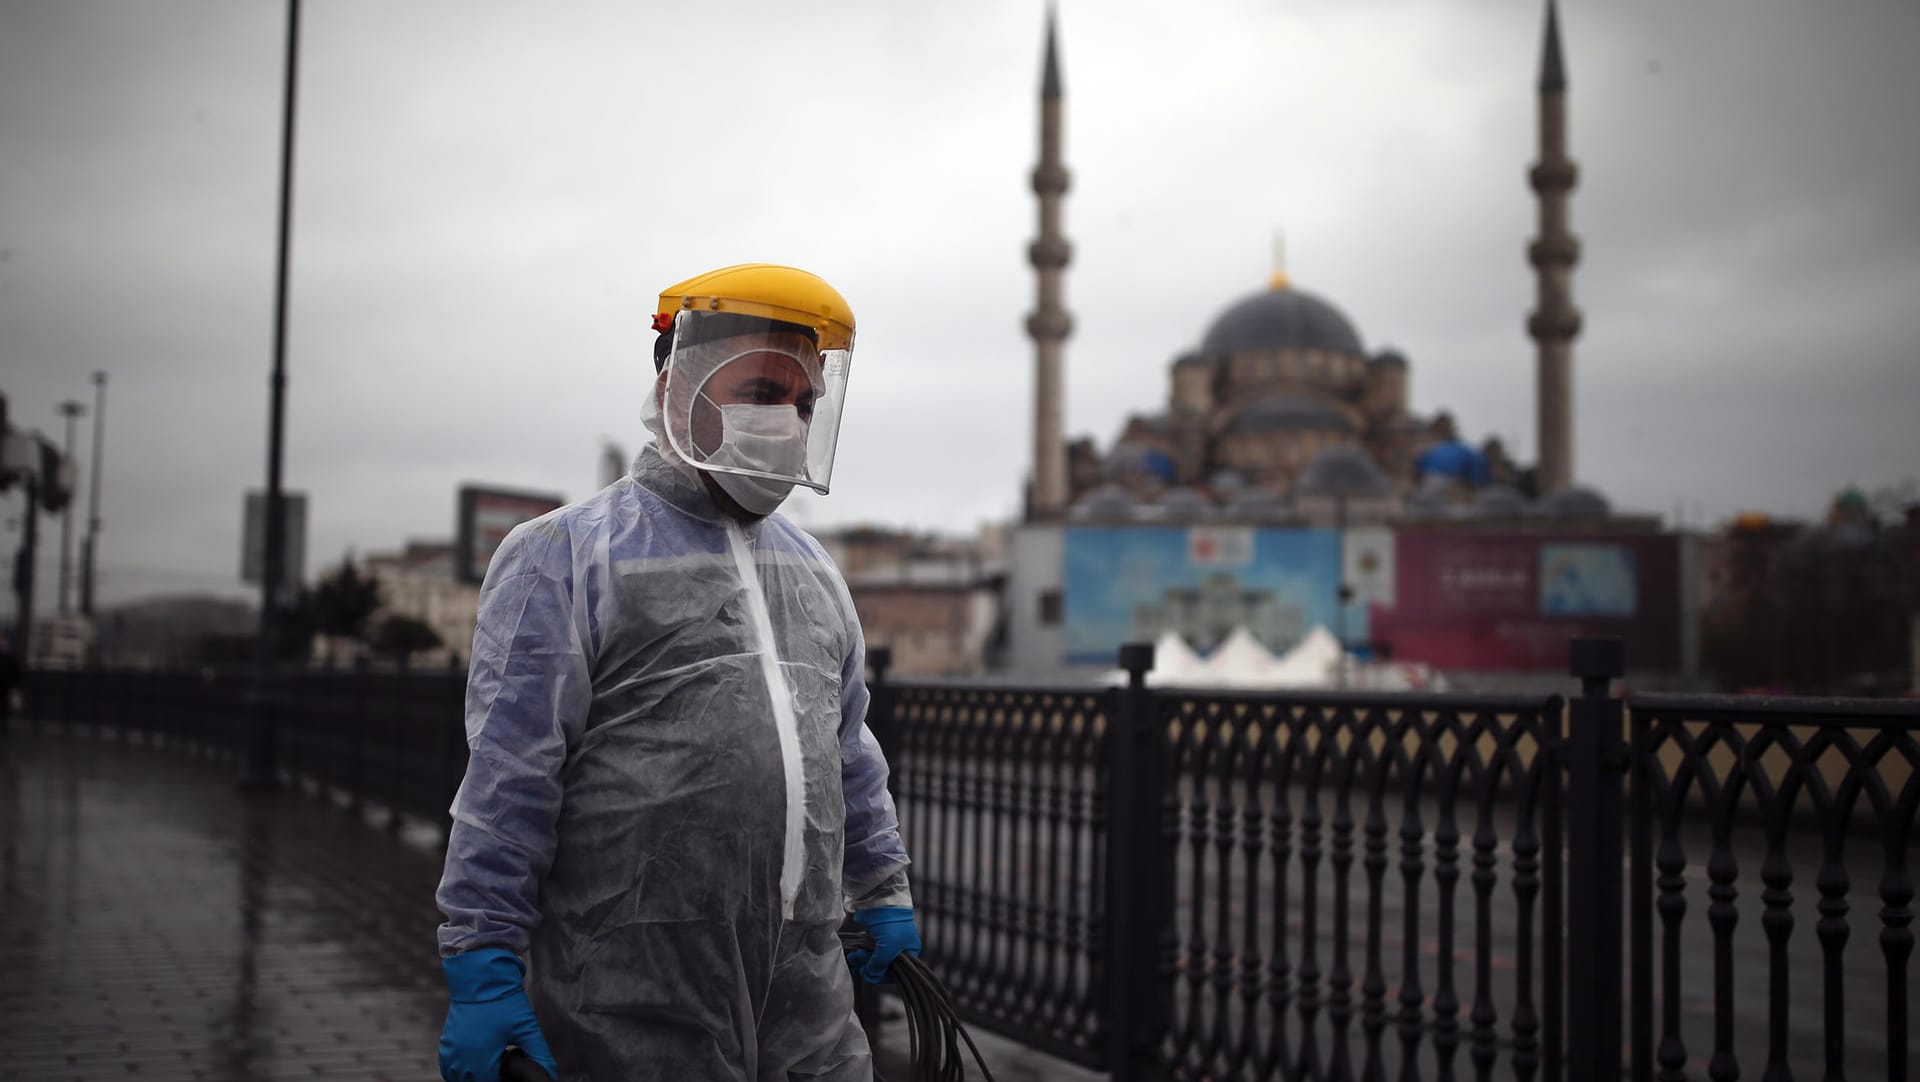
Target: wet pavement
x,y
158,923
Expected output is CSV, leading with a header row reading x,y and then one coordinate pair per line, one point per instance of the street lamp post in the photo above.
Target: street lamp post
x,y
72,411
259,770
89,547
23,566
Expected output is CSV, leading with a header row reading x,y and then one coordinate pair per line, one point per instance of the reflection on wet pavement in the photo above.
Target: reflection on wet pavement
x,y
160,923
156,922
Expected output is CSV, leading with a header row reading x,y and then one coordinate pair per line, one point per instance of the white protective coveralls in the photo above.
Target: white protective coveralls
x,y
635,777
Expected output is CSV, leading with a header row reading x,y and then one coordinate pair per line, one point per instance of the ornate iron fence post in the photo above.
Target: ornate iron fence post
x,y
1139,879
1596,763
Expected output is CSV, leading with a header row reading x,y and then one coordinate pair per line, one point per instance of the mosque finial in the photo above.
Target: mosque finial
x,y
1280,279
1050,78
1553,73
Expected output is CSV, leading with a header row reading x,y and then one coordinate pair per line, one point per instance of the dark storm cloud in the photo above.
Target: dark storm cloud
x,y
488,199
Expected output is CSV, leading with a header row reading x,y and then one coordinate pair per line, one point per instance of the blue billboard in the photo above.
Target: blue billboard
x,y
1587,580
1131,583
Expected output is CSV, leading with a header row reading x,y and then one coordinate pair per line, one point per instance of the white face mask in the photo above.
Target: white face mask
x,y
771,439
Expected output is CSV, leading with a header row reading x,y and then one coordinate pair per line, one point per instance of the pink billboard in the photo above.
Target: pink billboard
x,y
1485,602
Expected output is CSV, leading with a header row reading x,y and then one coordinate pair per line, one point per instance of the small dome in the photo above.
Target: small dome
x,y
1193,360
1343,471
1451,458
1280,319
1389,358
1852,506
1225,482
1499,501
1288,413
1433,497
1574,502
1184,504
1107,501
1258,504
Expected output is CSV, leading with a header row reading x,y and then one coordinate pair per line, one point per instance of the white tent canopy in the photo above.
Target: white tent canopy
x,y
1312,663
1174,662
1242,662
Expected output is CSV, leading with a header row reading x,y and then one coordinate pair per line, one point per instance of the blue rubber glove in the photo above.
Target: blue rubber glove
x,y
894,934
488,1010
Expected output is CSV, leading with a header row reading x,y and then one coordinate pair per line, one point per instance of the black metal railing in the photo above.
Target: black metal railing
x,y
1195,884
1806,793
385,737
1313,885
1192,884
1321,925
1002,794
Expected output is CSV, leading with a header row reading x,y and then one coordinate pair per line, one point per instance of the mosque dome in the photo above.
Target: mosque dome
x,y
1280,318
1258,504
1433,497
1226,482
1288,412
1499,501
1574,502
1105,502
1186,505
1343,471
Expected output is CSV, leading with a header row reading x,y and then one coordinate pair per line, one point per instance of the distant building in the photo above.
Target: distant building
x,y
937,617
934,602
1823,608
419,581
1737,561
1286,482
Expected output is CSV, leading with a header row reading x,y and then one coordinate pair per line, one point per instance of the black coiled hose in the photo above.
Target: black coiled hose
x,y
934,1031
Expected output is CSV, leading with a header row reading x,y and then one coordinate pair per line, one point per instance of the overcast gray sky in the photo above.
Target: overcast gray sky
x,y
489,196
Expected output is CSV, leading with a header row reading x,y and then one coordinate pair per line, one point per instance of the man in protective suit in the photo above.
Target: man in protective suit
x,y
672,799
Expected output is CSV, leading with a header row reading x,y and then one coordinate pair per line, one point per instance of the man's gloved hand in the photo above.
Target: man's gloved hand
x,y
893,934
488,1010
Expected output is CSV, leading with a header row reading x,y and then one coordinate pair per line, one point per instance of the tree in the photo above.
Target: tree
x,y
401,637
343,601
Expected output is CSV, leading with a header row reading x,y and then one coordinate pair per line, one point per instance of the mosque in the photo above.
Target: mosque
x,y
1285,484
1281,413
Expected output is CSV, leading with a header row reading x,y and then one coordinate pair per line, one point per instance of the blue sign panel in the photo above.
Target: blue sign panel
x,y
1587,580
1131,583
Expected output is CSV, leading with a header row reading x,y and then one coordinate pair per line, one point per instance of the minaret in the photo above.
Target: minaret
x,y
1049,324
1555,320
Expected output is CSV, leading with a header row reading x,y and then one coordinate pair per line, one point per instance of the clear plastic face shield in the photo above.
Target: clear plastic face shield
x,y
754,398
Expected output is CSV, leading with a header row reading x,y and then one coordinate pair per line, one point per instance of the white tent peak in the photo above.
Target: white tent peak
x,y
1311,663
1240,661
1173,659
